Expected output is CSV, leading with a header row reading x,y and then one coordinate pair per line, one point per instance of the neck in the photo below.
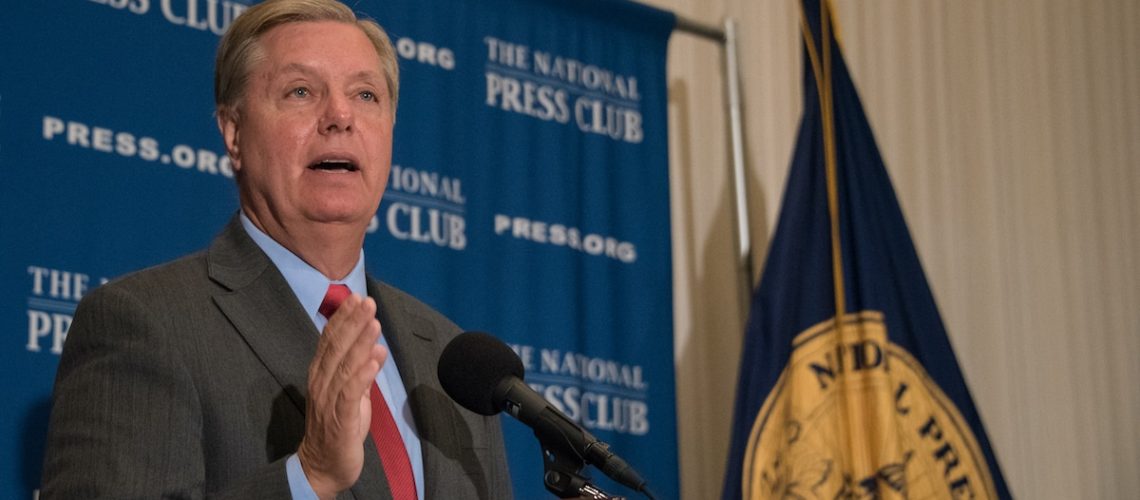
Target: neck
x,y
331,248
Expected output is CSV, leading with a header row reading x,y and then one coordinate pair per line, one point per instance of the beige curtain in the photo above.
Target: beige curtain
x,y
1010,130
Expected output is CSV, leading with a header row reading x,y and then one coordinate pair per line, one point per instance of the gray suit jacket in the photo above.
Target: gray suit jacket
x,y
189,380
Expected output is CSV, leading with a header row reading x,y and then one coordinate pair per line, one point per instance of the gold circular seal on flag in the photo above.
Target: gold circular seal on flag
x,y
855,416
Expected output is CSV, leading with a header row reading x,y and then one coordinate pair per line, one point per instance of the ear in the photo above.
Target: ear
x,y
228,126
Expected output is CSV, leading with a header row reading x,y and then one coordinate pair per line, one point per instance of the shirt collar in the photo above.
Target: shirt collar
x,y
308,284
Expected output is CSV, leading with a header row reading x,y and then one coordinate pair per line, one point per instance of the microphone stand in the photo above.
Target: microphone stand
x,y
563,475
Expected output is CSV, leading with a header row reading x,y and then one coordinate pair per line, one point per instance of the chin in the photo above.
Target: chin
x,y
339,215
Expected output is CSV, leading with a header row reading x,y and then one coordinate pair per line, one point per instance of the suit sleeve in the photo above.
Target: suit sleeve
x,y
126,419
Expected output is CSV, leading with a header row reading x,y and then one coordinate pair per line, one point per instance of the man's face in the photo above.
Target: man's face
x,y
312,140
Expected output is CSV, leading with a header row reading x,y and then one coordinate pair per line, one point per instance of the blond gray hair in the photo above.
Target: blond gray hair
x,y
239,48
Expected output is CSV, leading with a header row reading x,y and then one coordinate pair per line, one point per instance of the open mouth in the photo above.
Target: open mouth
x,y
335,166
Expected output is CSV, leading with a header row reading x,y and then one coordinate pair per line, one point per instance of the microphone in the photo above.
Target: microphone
x,y
485,376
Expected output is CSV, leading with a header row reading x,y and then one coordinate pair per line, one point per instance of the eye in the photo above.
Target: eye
x,y
299,92
367,95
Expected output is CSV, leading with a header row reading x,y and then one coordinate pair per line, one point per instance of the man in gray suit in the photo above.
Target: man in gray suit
x,y
232,373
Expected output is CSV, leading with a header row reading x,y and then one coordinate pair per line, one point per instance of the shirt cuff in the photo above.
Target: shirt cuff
x,y
298,484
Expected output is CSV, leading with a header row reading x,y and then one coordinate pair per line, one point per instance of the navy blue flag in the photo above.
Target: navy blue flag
x,y
848,386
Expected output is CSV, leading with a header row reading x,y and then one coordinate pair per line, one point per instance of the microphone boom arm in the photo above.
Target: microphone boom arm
x,y
563,466
497,385
560,439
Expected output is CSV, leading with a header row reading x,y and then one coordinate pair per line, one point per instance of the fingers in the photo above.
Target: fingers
x,y
357,333
345,345
337,415
356,374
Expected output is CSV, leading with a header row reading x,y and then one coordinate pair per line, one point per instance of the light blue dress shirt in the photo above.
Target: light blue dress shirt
x,y
309,285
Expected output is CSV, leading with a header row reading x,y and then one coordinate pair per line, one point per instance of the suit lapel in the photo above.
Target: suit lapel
x,y
261,306
412,342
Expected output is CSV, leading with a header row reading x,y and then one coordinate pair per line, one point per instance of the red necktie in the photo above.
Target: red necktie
x,y
385,434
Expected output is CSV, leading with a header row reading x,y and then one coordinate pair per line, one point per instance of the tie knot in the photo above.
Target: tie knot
x,y
333,298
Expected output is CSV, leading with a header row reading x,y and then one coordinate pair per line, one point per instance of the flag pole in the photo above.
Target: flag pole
x,y
739,172
726,37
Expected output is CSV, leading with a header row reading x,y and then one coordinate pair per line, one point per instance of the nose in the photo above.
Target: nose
x,y
337,116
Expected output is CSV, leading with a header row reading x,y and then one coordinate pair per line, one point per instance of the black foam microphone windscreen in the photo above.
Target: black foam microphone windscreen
x,y
472,366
